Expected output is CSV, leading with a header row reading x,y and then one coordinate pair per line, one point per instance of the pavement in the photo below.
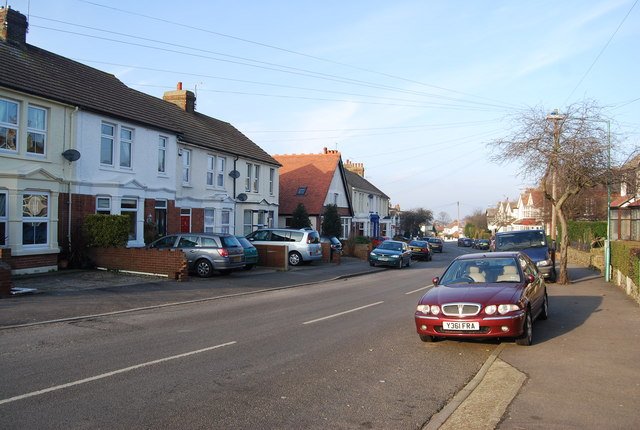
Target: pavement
x,y
583,370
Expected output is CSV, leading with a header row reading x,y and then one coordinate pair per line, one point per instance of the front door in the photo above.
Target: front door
x,y
185,220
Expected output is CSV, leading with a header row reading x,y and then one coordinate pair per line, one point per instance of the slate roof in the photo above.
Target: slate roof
x,y
314,171
38,72
356,181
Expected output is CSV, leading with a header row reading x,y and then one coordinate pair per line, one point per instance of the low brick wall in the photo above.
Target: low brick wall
x,y
361,250
170,263
328,256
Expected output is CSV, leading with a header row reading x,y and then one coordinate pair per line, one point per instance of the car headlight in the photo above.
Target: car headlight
x,y
544,263
501,309
429,309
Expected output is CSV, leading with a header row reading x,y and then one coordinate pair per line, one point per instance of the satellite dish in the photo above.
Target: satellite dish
x,y
242,197
234,174
71,155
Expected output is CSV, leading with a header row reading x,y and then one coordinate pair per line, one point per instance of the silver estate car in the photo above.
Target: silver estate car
x,y
304,244
205,252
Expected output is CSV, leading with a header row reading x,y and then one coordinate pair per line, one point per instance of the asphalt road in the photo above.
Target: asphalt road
x,y
337,354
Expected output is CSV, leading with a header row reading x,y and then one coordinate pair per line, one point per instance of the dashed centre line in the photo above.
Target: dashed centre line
x,y
108,374
419,289
342,313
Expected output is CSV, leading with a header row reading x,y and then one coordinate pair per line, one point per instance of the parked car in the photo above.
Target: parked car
x,y
391,253
377,240
304,244
461,241
467,242
335,244
483,244
250,253
534,244
205,252
420,250
496,295
436,244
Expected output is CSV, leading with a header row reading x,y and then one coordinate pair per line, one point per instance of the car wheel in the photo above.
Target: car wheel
x,y
372,264
204,269
527,331
427,338
400,265
544,312
295,258
248,267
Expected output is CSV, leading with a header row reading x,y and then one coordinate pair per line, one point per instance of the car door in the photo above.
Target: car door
x,y
189,245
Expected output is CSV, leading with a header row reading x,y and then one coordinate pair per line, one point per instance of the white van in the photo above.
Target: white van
x,y
304,244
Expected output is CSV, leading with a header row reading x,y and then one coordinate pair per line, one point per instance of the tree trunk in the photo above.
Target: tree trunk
x,y
563,276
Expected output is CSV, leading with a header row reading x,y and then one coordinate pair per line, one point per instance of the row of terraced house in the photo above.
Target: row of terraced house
x,y
75,140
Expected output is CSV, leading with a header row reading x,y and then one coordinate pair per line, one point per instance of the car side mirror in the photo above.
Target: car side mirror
x,y
435,280
530,278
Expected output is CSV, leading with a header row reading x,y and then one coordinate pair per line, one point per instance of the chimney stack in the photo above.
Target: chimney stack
x,y
13,26
184,99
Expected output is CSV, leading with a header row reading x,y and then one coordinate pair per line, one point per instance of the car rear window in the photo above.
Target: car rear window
x,y
229,242
208,242
314,237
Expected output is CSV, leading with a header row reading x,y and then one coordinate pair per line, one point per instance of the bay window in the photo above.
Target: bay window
x,y
35,218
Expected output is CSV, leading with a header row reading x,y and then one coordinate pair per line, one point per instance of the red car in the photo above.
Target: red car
x,y
497,295
377,240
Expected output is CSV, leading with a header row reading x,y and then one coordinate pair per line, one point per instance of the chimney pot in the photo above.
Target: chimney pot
x,y
179,87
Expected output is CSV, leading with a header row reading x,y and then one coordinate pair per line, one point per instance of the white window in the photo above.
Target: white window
x,y
162,154
37,130
35,218
129,207
106,144
209,220
211,169
272,174
224,221
3,218
8,125
186,166
221,170
256,179
103,205
247,179
126,144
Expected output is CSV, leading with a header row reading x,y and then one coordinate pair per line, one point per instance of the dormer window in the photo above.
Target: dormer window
x,y
301,191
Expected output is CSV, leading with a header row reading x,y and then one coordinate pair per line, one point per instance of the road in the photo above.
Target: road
x,y
339,354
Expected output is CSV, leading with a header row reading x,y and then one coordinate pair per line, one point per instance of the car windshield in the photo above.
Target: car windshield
x,y
481,271
391,246
434,240
520,240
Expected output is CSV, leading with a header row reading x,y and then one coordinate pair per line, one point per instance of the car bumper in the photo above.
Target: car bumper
x,y
419,255
546,271
385,262
497,326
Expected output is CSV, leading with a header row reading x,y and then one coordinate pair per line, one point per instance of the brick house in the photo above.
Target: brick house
x,y
625,207
166,166
315,180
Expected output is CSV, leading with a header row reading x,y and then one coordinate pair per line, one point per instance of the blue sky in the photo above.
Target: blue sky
x,y
412,89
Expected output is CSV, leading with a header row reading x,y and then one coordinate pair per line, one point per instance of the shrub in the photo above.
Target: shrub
x,y
106,230
624,256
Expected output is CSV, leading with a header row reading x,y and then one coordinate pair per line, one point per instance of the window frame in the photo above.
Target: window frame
x,y
209,227
211,170
103,211
162,154
125,143
36,219
220,169
11,126
186,166
37,131
133,224
272,175
247,179
4,217
256,179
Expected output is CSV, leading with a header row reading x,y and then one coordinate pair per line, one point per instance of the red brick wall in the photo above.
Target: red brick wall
x,y
197,220
5,272
173,218
156,261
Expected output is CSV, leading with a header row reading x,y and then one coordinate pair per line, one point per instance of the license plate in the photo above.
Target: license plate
x,y
385,259
461,325
235,259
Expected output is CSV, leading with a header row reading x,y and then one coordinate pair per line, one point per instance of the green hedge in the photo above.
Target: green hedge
x,y
585,234
107,230
625,256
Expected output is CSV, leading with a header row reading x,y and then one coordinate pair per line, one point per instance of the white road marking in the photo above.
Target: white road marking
x,y
419,289
342,313
108,374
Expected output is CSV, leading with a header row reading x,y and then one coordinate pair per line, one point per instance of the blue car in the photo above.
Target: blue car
x,y
391,253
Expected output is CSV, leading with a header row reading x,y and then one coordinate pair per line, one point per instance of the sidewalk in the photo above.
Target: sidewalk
x,y
582,372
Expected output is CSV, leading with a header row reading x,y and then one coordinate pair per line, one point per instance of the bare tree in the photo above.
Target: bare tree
x,y
413,219
443,218
570,150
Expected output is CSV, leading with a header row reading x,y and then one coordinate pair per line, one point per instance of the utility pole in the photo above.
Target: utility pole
x,y
555,116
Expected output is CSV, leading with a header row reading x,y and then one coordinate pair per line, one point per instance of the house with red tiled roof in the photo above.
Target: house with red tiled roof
x,y
315,180
75,140
625,208
528,211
